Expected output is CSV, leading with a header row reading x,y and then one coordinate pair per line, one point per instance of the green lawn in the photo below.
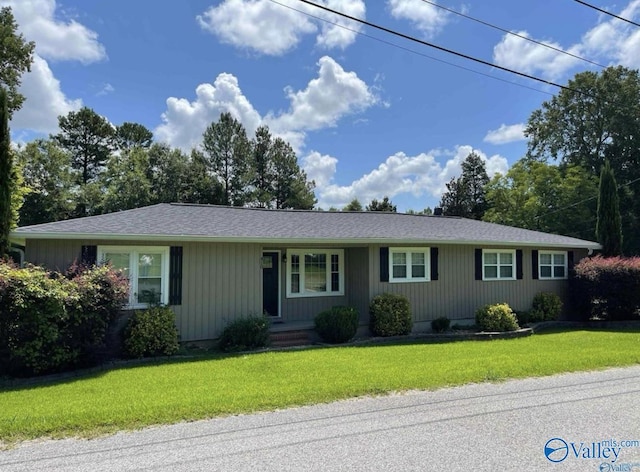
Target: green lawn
x,y
171,391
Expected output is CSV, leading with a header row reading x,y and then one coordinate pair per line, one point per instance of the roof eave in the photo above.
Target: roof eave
x,y
22,237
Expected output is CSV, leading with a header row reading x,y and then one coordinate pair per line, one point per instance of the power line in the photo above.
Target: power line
x,y
412,51
486,23
441,48
606,12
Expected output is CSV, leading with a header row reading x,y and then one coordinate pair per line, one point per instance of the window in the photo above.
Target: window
x,y
498,265
315,272
552,264
409,264
147,269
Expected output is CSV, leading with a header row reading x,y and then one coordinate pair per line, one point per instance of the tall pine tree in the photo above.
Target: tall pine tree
x,y
609,225
6,174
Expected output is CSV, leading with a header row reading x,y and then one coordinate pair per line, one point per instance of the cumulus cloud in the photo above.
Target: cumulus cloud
x,y
506,134
272,29
427,18
334,94
319,168
55,39
45,100
425,173
611,40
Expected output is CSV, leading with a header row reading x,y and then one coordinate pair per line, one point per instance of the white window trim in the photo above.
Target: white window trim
x,y
328,253
552,253
500,251
408,251
133,269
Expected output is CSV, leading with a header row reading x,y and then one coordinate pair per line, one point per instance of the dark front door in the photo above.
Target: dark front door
x,y
270,283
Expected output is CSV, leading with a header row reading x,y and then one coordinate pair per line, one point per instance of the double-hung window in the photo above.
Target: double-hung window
x,y
409,264
498,264
315,272
147,269
552,264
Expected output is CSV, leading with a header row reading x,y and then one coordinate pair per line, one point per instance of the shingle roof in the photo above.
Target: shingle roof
x,y
172,221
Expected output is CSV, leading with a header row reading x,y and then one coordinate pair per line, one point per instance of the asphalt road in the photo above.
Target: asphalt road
x,y
483,427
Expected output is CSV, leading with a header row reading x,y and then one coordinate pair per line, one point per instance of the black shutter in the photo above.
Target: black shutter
x,y
89,255
519,274
175,275
434,263
534,265
478,264
384,264
570,260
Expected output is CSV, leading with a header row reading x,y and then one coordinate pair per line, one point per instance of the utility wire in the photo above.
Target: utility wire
x,y
412,51
521,36
441,48
606,12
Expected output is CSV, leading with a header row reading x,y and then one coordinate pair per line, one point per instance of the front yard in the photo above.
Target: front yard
x,y
134,396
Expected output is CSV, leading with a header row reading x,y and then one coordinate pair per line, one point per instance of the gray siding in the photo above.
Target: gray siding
x,y
456,294
221,282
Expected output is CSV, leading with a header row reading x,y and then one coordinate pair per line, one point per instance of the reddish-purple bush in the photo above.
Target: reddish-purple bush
x,y
608,288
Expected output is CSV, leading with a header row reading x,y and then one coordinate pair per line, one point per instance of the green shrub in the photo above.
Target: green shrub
x,y
390,315
546,306
245,334
151,332
523,317
440,325
498,317
338,324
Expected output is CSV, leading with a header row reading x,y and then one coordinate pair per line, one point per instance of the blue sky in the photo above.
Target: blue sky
x,y
367,119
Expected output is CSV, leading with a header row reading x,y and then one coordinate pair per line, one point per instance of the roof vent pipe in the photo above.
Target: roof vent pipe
x,y
437,211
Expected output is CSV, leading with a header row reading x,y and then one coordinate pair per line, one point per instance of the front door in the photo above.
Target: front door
x,y
271,283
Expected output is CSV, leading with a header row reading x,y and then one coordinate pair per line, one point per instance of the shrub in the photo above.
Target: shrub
x,y
523,317
440,325
151,332
33,322
338,324
608,288
245,334
546,306
390,315
498,317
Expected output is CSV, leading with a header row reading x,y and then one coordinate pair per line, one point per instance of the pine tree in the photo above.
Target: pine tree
x,y
6,180
609,226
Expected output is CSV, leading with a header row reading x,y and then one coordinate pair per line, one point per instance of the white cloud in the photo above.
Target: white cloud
x,y
272,29
185,121
55,39
610,41
427,18
107,88
333,95
45,100
398,174
319,168
506,134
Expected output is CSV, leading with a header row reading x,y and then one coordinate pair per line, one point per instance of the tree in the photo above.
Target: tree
x,y
384,205
89,138
466,195
126,181
130,135
227,149
596,118
609,226
427,212
454,201
543,197
6,174
353,205
16,56
48,177
291,187
262,172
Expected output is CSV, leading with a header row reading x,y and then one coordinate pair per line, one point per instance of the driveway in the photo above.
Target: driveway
x,y
588,421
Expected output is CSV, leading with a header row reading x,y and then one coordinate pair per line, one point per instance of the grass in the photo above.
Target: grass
x,y
166,392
